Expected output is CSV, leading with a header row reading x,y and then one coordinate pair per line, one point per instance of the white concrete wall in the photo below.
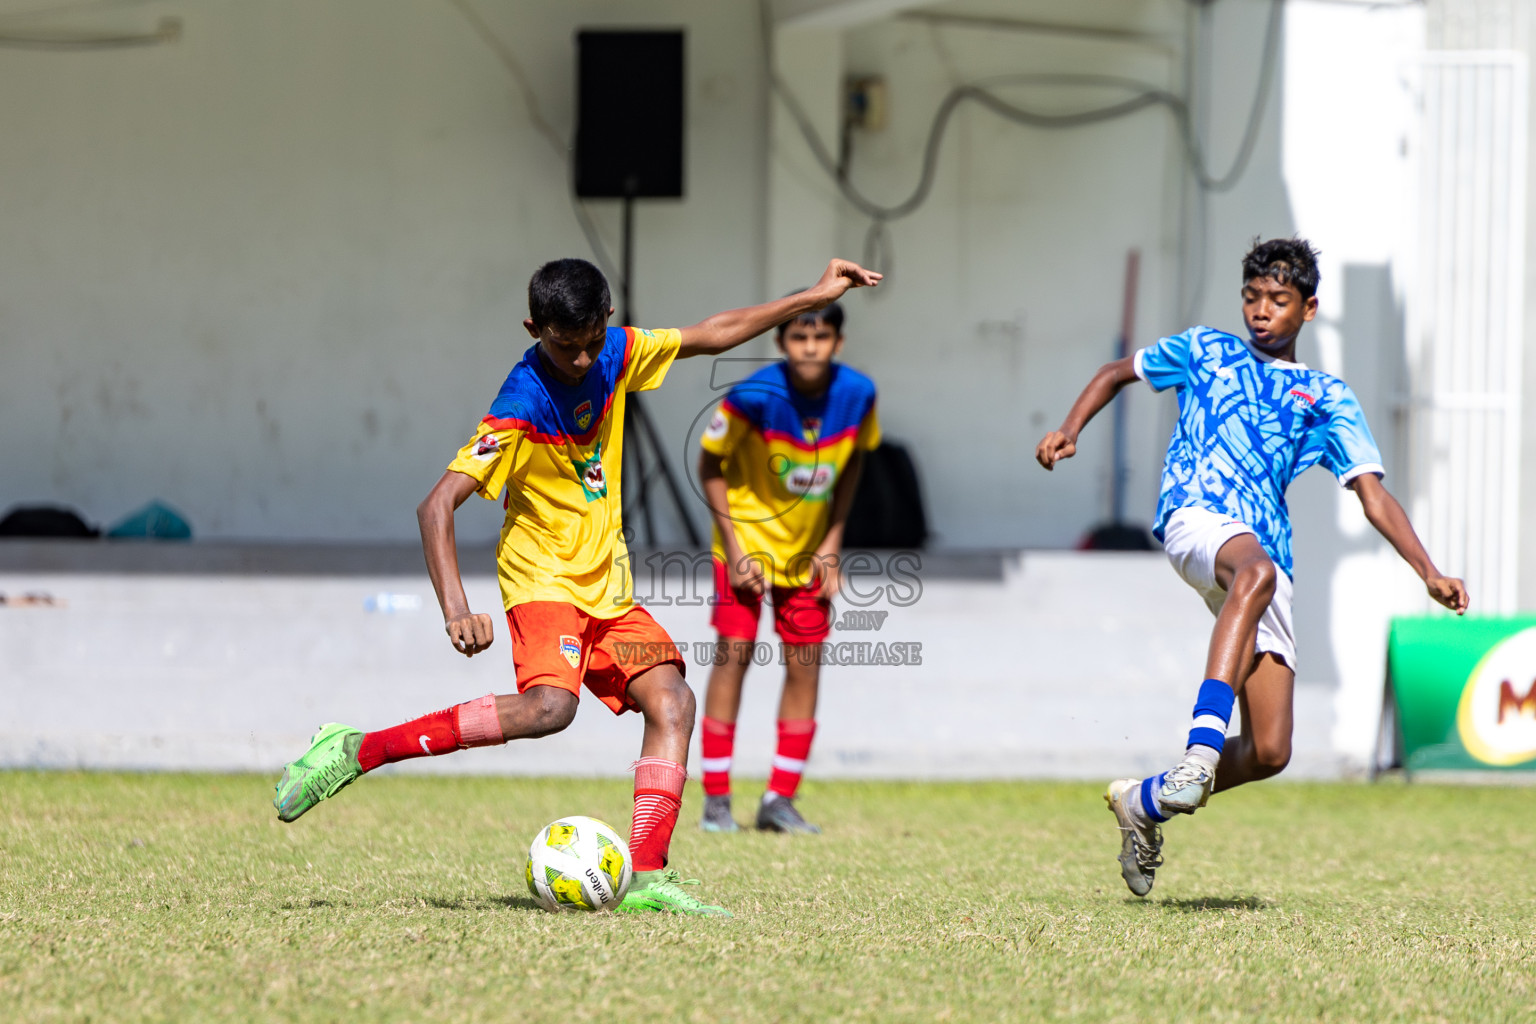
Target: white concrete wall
x,y
1069,666
1349,174
1006,285
274,273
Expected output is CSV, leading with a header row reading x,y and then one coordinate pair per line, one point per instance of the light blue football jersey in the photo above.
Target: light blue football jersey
x,y
1249,425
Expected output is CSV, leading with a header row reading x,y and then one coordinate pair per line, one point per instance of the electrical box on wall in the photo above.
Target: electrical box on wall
x,y
864,102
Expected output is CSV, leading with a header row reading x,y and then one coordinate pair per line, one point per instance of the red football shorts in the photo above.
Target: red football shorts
x,y
557,644
799,614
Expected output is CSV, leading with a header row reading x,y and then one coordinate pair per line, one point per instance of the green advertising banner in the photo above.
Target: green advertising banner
x,y
1465,691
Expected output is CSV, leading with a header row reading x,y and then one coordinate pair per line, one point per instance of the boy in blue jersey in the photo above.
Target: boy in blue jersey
x,y
1251,419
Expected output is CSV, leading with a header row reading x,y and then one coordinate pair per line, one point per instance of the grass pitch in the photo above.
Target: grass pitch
x,y
181,897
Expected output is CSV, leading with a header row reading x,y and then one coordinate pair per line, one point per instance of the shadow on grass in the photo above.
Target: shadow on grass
x,y
518,902
479,902
1202,904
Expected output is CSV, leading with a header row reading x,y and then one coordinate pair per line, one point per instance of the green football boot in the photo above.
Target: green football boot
x,y
661,891
326,768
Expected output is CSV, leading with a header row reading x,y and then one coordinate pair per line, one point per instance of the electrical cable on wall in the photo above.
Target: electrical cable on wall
x,y
1143,96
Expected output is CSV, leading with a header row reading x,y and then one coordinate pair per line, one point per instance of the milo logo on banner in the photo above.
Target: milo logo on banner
x,y
1496,717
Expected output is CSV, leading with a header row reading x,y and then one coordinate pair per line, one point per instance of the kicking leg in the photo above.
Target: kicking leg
x,y
338,754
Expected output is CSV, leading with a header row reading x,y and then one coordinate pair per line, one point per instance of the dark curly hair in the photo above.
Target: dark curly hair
x,y
568,295
1287,260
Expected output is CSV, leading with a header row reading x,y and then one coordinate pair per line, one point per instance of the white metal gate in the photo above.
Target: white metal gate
x,y
1464,314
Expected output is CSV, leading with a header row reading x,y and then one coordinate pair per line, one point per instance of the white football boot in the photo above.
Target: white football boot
x,y
1141,845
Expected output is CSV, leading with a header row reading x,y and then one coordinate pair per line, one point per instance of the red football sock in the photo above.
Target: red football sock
x,y
718,740
658,796
789,761
471,724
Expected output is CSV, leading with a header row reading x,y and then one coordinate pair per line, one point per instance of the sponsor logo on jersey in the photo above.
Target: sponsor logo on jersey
x,y
810,426
583,413
1304,396
594,482
809,481
1496,717
718,426
487,447
570,647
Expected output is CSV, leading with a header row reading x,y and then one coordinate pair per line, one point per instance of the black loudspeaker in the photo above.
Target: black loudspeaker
x,y
629,114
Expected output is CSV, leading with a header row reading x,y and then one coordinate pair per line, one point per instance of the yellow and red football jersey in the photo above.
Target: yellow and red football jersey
x,y
783,454
558,451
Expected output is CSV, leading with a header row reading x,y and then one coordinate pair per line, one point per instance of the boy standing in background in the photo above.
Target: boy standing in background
x,y
779,465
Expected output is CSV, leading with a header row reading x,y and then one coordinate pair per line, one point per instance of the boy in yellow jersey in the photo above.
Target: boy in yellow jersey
x,y
553,440
779,464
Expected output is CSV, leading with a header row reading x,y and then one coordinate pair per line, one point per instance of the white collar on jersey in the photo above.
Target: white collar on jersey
x,y
1279,364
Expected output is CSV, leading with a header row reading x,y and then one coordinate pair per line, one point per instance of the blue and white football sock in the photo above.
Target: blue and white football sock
x,y
1208,729
1207,735
1144,798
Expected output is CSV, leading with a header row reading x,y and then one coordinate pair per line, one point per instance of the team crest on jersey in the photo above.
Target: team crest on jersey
x,y
810,426
583,413
1303,395
487,446
570,648
594,482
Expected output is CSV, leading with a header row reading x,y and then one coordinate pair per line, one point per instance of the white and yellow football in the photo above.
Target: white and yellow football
x,y
578,863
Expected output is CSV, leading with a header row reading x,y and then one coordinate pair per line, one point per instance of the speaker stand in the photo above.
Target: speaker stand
x,y
642,441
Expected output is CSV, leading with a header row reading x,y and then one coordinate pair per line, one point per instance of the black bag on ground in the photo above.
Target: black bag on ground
x,y
45,521
887,508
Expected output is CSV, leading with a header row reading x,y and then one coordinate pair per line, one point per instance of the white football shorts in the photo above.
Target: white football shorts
x,y
1192,537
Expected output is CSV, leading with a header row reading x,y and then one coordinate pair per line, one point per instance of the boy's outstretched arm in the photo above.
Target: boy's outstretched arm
x,y
1384,513
470,633
727,330
1062,443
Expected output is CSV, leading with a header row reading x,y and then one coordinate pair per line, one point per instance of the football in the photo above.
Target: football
x,y
578,863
